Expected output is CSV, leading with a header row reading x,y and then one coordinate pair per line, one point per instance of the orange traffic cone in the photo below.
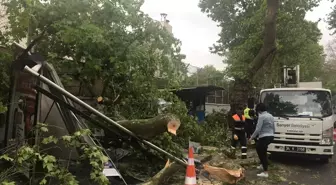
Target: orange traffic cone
x,y
190,178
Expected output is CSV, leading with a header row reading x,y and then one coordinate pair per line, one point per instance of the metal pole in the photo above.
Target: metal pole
x,y
99,114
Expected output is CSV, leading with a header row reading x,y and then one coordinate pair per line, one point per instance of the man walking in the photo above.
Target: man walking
x,y
249,125
265,131
238,132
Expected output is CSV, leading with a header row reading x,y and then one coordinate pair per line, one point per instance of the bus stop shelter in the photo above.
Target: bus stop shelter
x,y
195,97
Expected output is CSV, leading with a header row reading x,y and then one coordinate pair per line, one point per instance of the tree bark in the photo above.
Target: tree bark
x,y
149,128
269,45
167,172
242,87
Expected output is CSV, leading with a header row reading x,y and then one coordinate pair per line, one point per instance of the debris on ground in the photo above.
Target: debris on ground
x,y
224,175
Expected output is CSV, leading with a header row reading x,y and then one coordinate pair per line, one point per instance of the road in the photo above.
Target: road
x,y
310,172
300,171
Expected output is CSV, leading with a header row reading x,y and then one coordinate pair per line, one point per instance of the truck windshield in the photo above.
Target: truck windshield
x,y
298,103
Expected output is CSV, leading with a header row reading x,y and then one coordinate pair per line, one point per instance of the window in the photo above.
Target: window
x,y
217,97
298,103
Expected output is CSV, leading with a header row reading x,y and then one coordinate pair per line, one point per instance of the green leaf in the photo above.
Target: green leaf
x,y
50,139
66,138
44,129
8,183
6,157
78,133
242,33
85,132
43,181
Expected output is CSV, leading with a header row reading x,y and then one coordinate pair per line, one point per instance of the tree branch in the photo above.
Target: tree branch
x,y
34,42
269,45
105,84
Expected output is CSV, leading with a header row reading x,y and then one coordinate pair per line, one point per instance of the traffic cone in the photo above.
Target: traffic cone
x,y
190,178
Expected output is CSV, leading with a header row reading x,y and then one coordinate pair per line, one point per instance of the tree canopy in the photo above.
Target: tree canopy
x,y
207,75
112,42
108,40
242,32
328,76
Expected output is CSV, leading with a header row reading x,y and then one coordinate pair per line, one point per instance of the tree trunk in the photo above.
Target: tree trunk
x,y
167,172
242,87
149,128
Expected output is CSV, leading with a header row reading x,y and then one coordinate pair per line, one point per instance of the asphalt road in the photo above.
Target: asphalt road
x,y
301,171
309,172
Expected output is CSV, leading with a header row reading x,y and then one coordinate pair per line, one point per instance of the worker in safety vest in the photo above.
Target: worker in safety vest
x,y
238,132
249,114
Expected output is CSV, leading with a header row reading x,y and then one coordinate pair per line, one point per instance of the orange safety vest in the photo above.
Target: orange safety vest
x,y
239,124
237,118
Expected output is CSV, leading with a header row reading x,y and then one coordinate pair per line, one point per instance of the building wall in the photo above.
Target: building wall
x,y
210,107
165,24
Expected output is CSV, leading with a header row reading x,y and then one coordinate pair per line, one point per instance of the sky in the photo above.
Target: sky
x,y
198,32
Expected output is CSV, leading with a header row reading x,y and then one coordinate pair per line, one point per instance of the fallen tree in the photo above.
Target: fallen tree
x,y
168,171
150,128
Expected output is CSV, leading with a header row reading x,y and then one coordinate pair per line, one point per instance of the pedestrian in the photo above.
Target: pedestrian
x,y
238,132
265,132
249,116
254,116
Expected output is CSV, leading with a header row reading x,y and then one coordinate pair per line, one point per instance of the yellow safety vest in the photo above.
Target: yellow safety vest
x,y
246,113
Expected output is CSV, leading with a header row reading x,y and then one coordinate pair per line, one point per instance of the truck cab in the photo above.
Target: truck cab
x,y
304,119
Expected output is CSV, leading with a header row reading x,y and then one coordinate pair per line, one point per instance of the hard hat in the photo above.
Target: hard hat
x,y
235,137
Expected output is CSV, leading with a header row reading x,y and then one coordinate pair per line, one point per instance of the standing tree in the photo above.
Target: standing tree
x,y
329,67
330,63
208,75
256,33
233,16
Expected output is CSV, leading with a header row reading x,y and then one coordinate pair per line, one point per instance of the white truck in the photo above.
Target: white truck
x,y
304,121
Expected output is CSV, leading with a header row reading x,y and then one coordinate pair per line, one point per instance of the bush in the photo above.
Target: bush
x,y
26,157
215,129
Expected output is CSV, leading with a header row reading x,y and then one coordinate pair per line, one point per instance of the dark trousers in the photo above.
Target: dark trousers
x,y
249,127
261,147
242,140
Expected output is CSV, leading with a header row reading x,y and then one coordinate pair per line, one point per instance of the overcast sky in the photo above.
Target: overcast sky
x,y
198,32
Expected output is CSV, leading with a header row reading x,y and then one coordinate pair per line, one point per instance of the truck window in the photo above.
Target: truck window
x,y
298,102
